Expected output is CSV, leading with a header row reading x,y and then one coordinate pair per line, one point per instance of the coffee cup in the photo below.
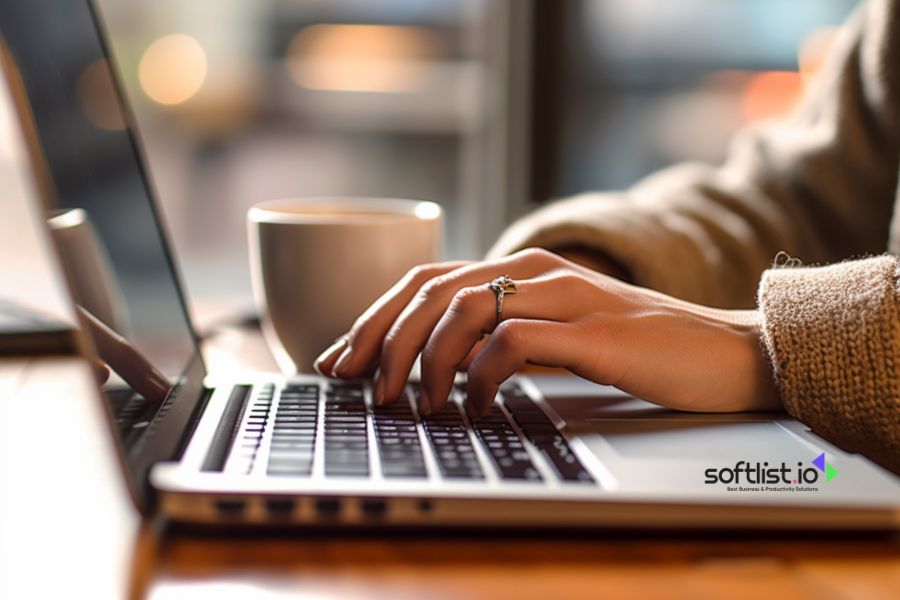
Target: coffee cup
x,y
318,263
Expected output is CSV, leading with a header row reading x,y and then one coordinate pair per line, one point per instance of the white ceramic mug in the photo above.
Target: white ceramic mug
x,y
318,263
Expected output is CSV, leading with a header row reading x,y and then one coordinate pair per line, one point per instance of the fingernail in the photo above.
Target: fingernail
x,y
342,362
378,393
318,367
329,353
424,402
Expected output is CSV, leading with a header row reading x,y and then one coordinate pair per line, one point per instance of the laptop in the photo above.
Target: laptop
x,y
259,449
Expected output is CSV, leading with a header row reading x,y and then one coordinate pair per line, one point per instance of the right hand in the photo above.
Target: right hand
x,y
662,349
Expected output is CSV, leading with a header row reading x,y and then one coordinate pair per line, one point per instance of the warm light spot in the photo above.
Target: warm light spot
x,y
771,94
172,69
361,58
97,97
814,49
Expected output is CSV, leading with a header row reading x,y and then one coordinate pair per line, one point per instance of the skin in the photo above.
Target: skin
x,y
662,349
126,360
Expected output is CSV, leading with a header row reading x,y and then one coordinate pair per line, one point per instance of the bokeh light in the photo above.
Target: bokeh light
x,y
172,69
360,58
771,94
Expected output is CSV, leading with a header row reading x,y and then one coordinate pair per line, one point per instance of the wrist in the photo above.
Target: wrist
x,y
763,392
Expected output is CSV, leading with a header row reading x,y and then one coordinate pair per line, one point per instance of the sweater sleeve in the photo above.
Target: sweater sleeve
x,y
818,185
833,334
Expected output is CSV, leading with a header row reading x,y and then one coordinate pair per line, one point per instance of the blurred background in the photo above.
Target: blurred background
x,y
489,107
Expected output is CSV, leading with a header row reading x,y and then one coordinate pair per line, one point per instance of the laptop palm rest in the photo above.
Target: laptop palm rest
x,y
649,448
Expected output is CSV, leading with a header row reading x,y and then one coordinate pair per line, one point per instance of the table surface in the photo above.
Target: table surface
x,y
59,536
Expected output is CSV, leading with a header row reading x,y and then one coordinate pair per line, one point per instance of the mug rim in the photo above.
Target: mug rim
x,y
405,208
66,218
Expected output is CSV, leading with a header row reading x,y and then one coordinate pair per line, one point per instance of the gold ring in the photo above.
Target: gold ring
x,y
501,286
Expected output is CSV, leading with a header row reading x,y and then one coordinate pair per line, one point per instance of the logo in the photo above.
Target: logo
x,y
747,476
829,470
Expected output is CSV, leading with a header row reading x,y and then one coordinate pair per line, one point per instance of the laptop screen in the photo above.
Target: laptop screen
x,y
94,165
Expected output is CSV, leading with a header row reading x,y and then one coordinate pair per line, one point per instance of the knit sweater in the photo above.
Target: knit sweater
x,y
820,185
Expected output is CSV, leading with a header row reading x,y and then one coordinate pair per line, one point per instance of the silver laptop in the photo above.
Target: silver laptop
x,y
269,449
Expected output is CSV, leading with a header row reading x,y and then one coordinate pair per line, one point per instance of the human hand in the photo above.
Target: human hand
x,y
133,367
595,260
658,348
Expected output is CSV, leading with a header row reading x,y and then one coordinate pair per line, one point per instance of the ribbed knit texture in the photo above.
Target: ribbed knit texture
x,y
834,337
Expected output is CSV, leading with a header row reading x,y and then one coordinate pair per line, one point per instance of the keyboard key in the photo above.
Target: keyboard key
x,y
294,431
504,447
541,432
398,441
453,449
346,433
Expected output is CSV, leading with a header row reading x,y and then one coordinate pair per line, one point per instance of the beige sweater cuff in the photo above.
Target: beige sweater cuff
x,y
833,334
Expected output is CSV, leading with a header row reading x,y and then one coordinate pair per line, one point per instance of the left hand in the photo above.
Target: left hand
x,y
658,348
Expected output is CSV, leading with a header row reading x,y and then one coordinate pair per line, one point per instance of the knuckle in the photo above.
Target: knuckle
x,y
467,301
569,279
431,288
508,335
436,287
538,256
422,273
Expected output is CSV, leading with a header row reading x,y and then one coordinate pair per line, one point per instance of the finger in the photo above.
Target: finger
x,y
366,372
408,334
464,365
473,312
326,361
364,340
101,371
126,360
513,344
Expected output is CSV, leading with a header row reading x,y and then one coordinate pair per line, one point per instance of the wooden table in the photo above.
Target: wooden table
x,y
539,567
87,541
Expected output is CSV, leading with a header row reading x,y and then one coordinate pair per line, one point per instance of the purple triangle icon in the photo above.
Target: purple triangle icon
x,y
820,462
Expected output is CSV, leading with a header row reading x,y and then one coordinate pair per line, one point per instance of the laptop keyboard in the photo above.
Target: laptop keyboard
x,y
453,450
294,430
545,436
346,432
397,440
504,446
131,413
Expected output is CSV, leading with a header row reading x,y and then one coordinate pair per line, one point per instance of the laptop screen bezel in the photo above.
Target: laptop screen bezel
x,y
164,439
